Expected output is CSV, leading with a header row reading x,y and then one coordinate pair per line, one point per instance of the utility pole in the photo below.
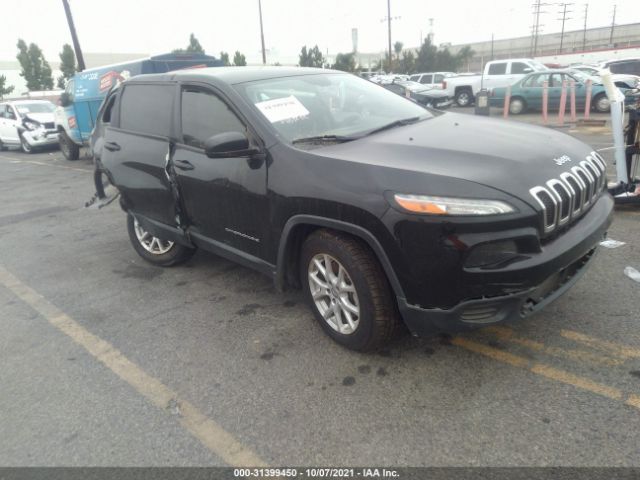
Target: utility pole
x,y
74,36
584,31
264,55
536,27
613,24
389,27
564,18
492,46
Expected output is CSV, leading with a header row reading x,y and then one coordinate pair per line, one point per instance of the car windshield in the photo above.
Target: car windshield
x,y
40,107
583,77
327,105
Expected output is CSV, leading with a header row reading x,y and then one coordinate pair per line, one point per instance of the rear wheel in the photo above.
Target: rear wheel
x,y
156,250
347,290
517,106
464,98
2,147
68,147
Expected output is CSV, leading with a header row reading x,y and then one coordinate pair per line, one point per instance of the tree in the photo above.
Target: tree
x,y
311,58
35,69
5,90
345,62
397,47
426,60
239,60
194,46
407,63
464,56
224,56
67,64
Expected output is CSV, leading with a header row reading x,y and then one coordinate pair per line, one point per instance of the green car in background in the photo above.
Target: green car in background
x,y
526,94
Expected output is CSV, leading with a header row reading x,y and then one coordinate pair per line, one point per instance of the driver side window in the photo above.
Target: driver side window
x,y
203,115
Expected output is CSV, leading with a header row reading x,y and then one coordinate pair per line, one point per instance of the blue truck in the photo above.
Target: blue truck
x,y
78,107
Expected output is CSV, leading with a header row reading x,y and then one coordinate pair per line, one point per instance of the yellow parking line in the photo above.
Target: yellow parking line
x,y
547,371
576,381
610,347
507,334
35,162
210,434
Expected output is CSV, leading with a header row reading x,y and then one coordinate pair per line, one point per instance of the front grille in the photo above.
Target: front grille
x,y
49,125
566,198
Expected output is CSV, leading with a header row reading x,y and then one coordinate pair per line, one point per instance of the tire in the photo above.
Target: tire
x,y
364,286
69,149
517,106
167,254
601,103
464,97
2,147
25,147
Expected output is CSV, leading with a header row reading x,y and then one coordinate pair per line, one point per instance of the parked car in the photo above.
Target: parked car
x,y
85,91
619,80
497,73
379,209
526,94
28,124
431,79
424,95
626,66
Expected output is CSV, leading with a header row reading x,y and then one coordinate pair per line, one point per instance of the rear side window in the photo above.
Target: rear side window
x,y
147,109
203,115
438,78
519,67
498,68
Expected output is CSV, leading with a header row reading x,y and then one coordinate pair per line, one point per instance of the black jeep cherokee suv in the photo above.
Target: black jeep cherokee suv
x,y
379,209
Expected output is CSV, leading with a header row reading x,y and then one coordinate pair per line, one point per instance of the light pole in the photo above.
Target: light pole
x,y
264,55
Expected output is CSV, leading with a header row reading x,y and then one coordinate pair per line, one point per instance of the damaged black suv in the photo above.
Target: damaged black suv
x,y
380,209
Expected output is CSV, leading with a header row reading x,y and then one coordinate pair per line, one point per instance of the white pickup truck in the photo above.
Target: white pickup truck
x,y
497,73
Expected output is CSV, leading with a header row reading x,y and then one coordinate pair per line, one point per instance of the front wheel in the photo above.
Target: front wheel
x,y
156,250
24,145
464,98
347,290
69,149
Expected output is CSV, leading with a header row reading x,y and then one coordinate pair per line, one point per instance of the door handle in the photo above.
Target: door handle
x,y
183,164
112,146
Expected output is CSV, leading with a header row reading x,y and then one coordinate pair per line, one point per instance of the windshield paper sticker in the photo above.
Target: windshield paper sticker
x,y
283,109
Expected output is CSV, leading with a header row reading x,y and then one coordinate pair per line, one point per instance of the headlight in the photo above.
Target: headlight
x,y
32,125
452,206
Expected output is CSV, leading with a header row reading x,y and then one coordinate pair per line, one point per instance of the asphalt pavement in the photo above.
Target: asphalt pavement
x,y
107,360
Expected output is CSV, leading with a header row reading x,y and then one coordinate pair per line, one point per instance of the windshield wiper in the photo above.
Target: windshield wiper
x,y
323,138
397,123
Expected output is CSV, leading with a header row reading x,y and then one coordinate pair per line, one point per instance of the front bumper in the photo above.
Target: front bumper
x,y
552,272
40,138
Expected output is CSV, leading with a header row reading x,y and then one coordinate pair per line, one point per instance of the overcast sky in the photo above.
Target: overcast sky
x,y
159,26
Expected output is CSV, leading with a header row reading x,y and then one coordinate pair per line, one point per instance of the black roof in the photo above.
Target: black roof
x,y
234,75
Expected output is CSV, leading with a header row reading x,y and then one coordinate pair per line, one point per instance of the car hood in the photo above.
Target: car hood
x,y
508,156
40,117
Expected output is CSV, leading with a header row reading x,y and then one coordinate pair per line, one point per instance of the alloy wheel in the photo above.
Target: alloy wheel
x,y
151,244
334,293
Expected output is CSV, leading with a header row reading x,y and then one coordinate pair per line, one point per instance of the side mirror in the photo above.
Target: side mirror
x,y
65,99
227,145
